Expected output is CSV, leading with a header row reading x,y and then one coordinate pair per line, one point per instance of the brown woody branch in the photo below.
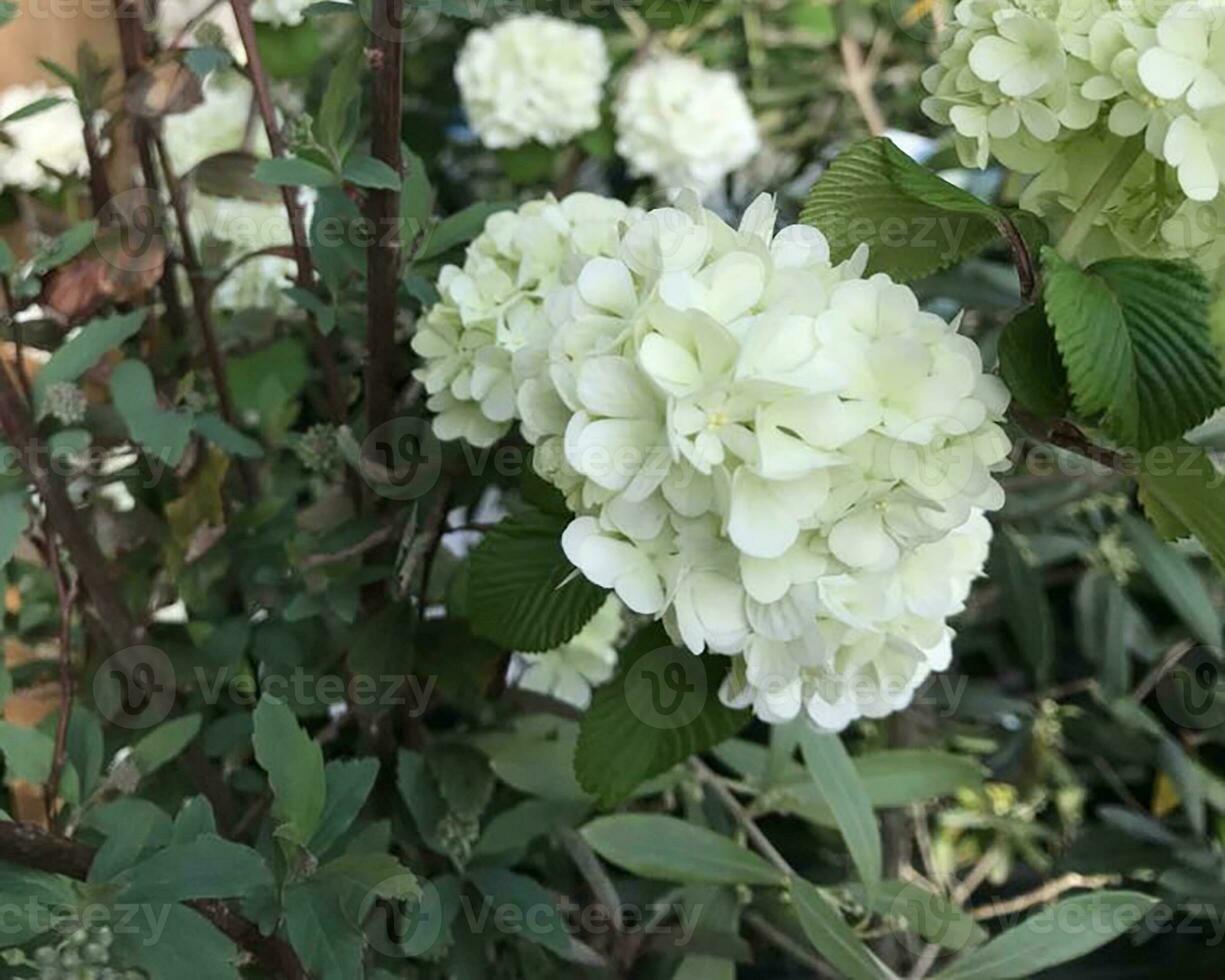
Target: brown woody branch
x,y
293,209
33,847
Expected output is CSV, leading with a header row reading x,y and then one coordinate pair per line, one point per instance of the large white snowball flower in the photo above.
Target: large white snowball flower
x,y
532,78
683,124
786,462
585,661
38,147
488,335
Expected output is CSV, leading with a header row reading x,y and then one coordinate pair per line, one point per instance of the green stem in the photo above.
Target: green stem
x,y
1099,196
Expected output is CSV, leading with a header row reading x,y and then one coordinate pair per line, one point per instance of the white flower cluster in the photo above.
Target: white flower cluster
x,y
532,78
541,78
786,462
585,661
220,125
280,13
50,140
683,124
179,21
1054,86
490,332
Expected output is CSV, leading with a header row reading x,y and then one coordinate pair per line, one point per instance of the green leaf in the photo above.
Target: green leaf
x,y
923,912
523,593
1026,605
226,437
28,754
1134,337
832,937
164,743
366,171
660,708
1177,580
458,229
86,348
132,826
195,819
86,748
1102,618
160,432
232,175
349,782
416,200
207,867
341,105
325,941
33,109
294,763
177,942
65,248
294,172
528,163
1064,931
1187,498
1030,364
516,827
669,849
14,519
843,792
914,222
527,910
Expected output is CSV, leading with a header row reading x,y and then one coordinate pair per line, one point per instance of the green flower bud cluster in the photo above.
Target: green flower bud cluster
x,y
83,953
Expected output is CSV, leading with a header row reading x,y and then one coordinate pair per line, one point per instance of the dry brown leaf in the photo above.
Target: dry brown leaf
x,y
163,89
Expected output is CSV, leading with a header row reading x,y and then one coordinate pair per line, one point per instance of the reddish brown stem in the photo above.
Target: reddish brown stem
x,y
293,209
386,56
67,597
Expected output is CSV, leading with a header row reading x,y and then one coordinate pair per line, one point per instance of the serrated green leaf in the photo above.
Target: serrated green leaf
x,y
843,791
830,936
670,849
1049,937
207,867
178,942
160,432
349,782
523,592
329,946
660,708
294,764
1030,364
1134,338
913,222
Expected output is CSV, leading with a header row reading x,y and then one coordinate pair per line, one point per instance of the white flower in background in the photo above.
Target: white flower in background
x,y
49,139
222,123
532,78
280,13
683,124
585,661
180,20
487,338
785,462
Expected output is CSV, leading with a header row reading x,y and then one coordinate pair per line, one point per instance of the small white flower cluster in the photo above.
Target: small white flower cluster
x,y
1052,87
220,125
280,13
532,78
49,140
786,462
541,78
583,662
490,331
683,124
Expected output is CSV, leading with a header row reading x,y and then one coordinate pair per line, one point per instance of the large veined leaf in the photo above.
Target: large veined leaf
x,y
843,791
523,593
830,936
669,849
1135,340
1062,932
1187,498
913,222
660,708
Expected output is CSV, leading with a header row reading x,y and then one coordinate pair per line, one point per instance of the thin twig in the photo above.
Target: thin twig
x,y
66,594
1043,894
1167,663
777,937
377,537
386,57
741,815
324,353
859,81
